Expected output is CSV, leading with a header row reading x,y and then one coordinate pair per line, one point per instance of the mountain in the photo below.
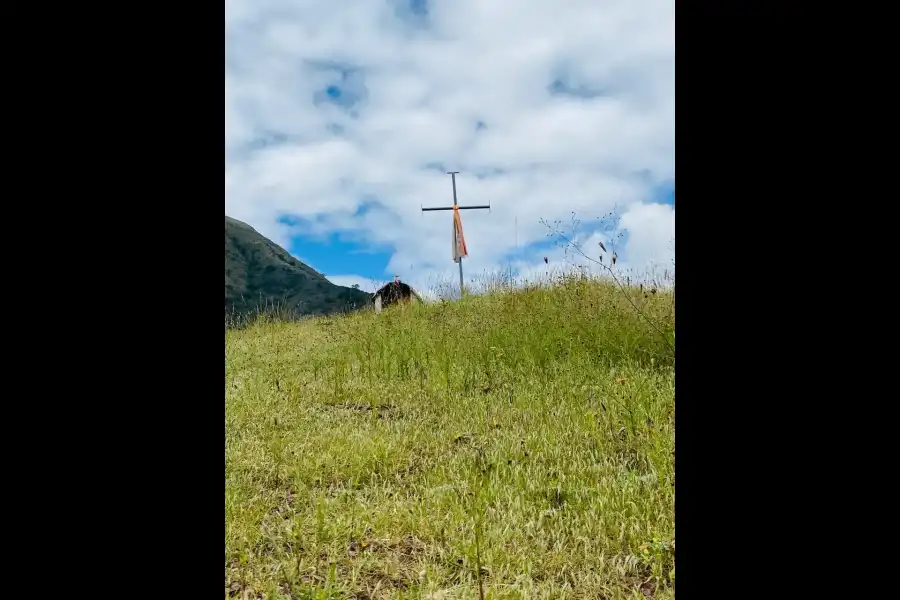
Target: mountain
x,y
259,273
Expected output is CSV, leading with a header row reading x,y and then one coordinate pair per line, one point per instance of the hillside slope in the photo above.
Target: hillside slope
x,y
259,273
365,454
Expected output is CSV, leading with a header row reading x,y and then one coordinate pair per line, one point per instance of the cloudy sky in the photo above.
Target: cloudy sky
x,y
342,117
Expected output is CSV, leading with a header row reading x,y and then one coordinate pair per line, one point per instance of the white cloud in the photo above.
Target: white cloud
x,y
419,93
651,230
364,283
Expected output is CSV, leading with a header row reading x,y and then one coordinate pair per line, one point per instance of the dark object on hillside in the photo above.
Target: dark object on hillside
x,y
394,292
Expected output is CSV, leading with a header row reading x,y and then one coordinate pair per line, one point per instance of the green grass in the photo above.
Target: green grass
x,y
530,433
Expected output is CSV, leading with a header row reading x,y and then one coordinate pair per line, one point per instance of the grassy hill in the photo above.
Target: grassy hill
x,y
260,275
522,439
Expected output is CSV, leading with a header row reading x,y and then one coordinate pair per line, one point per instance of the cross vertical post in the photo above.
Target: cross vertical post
x,y
453,175
456,206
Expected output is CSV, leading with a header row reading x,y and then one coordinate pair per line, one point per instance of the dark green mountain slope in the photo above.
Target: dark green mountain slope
x,y
259,273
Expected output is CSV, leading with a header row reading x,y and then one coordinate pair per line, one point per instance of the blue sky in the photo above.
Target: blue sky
x,y
337,255
342,118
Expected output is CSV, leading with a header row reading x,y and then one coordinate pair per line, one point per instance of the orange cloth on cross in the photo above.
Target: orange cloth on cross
x,y
459,240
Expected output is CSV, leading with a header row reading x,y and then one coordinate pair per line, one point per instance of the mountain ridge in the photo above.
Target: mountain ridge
x,y
260,274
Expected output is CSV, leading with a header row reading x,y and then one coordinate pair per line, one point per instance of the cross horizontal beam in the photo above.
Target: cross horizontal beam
x,y
459,207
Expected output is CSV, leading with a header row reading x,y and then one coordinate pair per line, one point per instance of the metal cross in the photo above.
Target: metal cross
x,y
453,174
